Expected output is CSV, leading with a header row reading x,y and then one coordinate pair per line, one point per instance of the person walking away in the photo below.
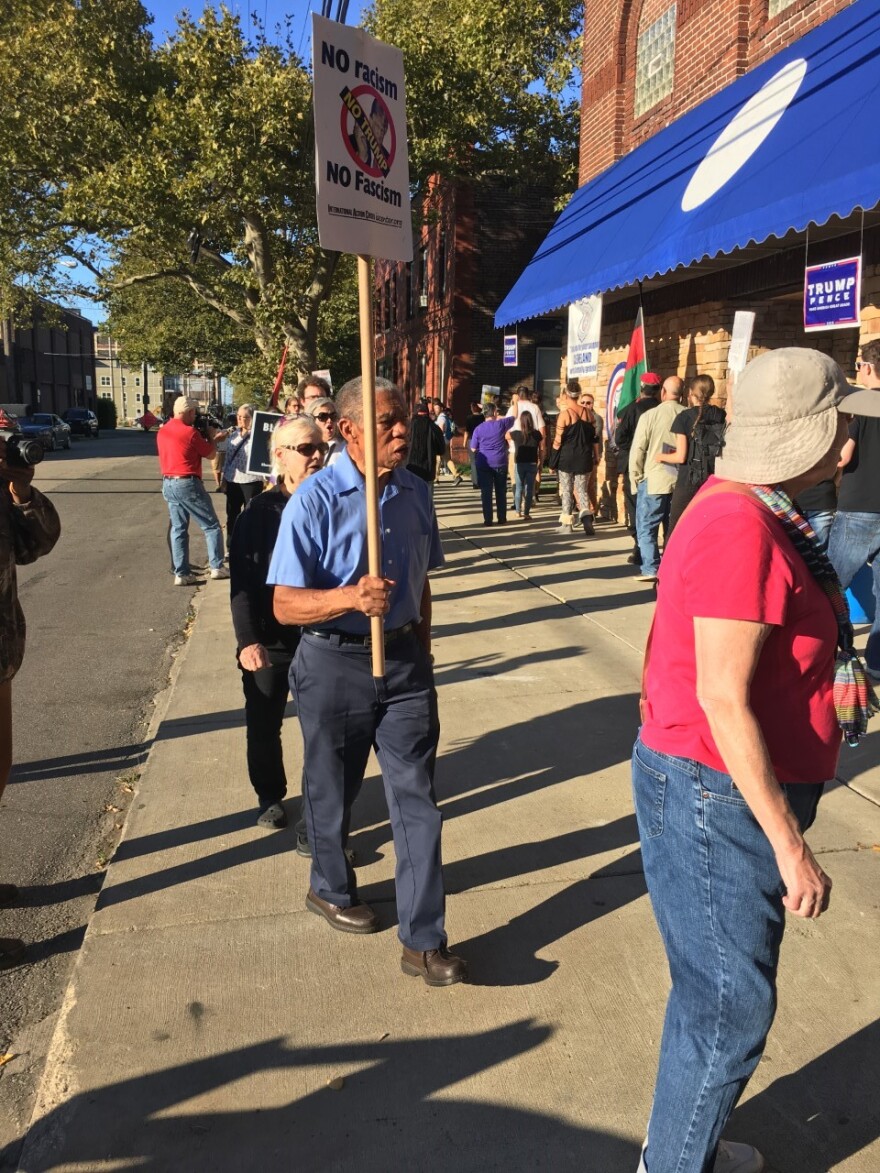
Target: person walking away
x,y
521,401
750,647
471,424
319,571
489,446
699,438
426,444
443,420
587,400
855,531
529,446
29,529
241,486
325,414
625,429
578,447
265,647
181,449
651,483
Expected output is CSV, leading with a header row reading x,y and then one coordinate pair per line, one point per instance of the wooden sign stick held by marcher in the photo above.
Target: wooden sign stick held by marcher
x,y
363,204
371,466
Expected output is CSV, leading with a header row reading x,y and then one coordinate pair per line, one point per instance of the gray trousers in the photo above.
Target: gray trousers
x,y
343,714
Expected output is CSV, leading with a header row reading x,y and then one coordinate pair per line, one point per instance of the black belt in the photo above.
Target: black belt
x,y
333,634
189,476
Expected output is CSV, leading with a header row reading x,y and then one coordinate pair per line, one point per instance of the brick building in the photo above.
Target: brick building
x,y
434,317
647,64
48,367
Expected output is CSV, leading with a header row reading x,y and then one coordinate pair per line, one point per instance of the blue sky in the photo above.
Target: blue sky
x,y
268,12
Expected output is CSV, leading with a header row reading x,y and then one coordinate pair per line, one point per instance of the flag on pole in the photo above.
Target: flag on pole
x,y
636,365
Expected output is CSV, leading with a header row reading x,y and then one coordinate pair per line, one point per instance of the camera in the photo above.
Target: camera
x,y
205,420
21,452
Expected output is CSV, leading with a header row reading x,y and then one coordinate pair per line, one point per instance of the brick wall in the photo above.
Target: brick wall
x,y
716,41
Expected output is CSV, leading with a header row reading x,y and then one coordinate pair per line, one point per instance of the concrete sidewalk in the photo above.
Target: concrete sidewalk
x,y
209,1012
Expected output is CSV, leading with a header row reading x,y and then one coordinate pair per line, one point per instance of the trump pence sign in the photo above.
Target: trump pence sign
x,y
361,164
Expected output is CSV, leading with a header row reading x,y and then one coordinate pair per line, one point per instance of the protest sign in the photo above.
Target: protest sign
x,y
832,295
740,341
361,164
511,357
584,327
262,427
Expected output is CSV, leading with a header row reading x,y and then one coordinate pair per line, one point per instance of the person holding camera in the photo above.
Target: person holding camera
x,y
241,486
29,528
181,448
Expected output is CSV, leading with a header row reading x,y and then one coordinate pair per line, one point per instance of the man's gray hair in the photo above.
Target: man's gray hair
x,y
350,398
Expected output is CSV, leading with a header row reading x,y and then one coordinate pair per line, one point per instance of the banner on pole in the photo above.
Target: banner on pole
x,y
612,395
740,341
262,427
832,295
361,163
511,350
584,328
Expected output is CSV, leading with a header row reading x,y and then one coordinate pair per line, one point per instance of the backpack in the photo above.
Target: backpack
x,y
707,441
448,427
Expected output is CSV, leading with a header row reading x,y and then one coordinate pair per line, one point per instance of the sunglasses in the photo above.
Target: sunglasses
x,y
307,450
326,416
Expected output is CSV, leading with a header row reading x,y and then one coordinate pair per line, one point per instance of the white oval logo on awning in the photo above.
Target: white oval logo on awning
x,y
745,132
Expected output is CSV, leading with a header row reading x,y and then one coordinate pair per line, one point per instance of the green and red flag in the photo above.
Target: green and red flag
x,y
636,365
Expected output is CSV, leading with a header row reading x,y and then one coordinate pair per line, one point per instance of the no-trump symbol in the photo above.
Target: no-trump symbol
x,y
365,121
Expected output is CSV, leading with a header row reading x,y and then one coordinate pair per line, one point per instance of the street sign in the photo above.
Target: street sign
x,y
511,350
832,295
361,164
584,328
262,427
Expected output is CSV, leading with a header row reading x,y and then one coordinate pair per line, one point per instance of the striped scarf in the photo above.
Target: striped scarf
x,y
854,698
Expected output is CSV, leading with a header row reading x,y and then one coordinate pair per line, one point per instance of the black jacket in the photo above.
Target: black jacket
x,y
426,443
250,552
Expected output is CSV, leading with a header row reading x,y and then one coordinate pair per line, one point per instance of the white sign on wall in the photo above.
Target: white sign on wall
x,y
361,164
740,341
584,327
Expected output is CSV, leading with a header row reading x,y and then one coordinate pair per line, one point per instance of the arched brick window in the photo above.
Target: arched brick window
x,y
655,57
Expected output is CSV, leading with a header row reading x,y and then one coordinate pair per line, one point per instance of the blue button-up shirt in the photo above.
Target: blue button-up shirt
x,y
322,543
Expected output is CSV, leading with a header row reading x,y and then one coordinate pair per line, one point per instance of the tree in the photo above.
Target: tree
x,y
491,87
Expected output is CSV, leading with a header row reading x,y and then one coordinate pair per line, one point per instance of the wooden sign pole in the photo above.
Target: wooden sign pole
x,y
368,381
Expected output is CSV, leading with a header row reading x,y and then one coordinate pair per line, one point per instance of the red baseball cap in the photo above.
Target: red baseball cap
x,y
649,379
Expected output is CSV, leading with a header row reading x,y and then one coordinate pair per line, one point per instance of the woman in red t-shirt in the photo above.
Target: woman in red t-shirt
x,y
750,649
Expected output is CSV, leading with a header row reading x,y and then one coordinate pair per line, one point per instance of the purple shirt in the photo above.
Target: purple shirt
x,y
489,441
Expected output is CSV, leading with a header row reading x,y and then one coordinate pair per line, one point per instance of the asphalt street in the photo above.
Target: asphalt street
x,y
104,621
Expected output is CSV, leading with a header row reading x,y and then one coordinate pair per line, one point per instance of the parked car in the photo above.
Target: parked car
x,y
82,421
51,431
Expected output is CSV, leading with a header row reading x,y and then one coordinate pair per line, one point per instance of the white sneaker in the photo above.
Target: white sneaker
x,y
185,580
731,1158
219,572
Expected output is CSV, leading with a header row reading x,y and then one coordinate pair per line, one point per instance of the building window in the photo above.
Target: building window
x,y
655,62
137,382
123,380
423,279
410,307
777,6
106,395
423,374
441,268
393,295
105,381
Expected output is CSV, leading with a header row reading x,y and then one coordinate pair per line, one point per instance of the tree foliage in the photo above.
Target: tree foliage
x,y
491,87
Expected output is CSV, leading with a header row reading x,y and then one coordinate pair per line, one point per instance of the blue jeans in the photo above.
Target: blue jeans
x,y
493,479
717,896
855,540
652,511
524,487
188,498
820,520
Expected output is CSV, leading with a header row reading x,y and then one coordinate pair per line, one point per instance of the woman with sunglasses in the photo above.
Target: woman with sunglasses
x,y
325,414
266,647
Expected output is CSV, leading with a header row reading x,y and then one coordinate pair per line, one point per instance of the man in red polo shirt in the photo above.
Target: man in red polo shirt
x,y
181,450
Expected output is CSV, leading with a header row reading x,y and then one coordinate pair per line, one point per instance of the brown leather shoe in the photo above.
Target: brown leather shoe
x,y
8,895
437,967
359,918
12,952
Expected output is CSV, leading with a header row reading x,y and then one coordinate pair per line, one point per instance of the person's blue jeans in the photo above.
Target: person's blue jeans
x,y
820,520
855,540
524,487
652,511
717,896
493,480
186,498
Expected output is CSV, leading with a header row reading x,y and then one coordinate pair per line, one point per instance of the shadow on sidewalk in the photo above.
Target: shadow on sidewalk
x,y
814,1119
386,1118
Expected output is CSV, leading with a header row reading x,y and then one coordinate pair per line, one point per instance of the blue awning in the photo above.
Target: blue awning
x,y
792,143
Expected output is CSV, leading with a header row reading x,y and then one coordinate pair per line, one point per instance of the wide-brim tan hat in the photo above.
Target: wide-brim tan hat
x,y
782,416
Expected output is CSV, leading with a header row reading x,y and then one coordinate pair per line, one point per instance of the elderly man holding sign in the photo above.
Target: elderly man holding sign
x,y
322,583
